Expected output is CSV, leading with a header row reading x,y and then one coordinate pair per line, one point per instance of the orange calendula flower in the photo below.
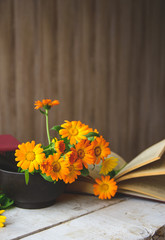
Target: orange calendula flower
x,y
46,166
108,165
55,167
29,156
83,153
46,103
100,149
71,156
105,187
60,146
74,171
2,219
74,131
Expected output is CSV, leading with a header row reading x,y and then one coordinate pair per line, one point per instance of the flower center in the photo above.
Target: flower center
x,y
62,147
73,131
97,151
104,187
72,157
81,153
30,156
71,168
45,166
56,167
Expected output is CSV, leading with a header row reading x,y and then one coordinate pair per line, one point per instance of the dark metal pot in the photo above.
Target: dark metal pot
x,y
39,193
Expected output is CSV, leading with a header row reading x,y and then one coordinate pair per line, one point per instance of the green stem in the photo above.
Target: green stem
x,y
47,149
47,126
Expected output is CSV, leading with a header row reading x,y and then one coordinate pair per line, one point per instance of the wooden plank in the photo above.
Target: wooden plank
x,y
120,221
101,83
24,67
7,69
119,116
86,59
24,222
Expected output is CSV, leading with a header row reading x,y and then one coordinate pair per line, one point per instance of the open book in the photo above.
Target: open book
x,y
144,176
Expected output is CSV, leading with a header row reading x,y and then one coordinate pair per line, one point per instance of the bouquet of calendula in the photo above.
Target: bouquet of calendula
x,y
68,156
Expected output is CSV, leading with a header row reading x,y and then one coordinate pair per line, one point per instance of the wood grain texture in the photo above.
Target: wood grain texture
x,y
103,60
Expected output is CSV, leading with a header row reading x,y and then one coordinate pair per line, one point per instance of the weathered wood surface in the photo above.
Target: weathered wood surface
x,y
104,61
86,217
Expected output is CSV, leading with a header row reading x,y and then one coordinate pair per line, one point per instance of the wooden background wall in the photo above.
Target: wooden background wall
x,y
104,60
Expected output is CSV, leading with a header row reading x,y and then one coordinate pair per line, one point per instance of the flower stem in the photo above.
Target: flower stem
x,y
47,149
47,126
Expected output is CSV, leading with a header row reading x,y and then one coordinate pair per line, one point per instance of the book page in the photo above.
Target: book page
x,y
80,187
151,154
131,193
150,186
151,169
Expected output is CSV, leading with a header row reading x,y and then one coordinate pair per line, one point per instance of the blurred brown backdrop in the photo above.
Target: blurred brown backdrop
x,y
104,60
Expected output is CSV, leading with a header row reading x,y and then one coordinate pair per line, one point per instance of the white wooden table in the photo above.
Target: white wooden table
x,y
86,217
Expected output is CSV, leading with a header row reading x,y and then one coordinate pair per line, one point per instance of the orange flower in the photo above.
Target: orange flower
x,y
83,153
46,103
60,146
100,149
71,156
74,171
74,131
46,166
105,187
55,167
29,156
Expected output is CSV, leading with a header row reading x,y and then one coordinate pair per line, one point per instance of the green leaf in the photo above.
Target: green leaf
x,y
51,145
47,178
70,146
5,202
84,172
57,128
92,134
49,150
113,173
91,139
26,177
19,169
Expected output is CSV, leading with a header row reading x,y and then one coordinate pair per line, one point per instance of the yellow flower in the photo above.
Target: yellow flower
x,y
105,187
29,156
55,167
83,153
2,219
47,103
54,140
74,131
108,165
74,171
60,146
100,149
